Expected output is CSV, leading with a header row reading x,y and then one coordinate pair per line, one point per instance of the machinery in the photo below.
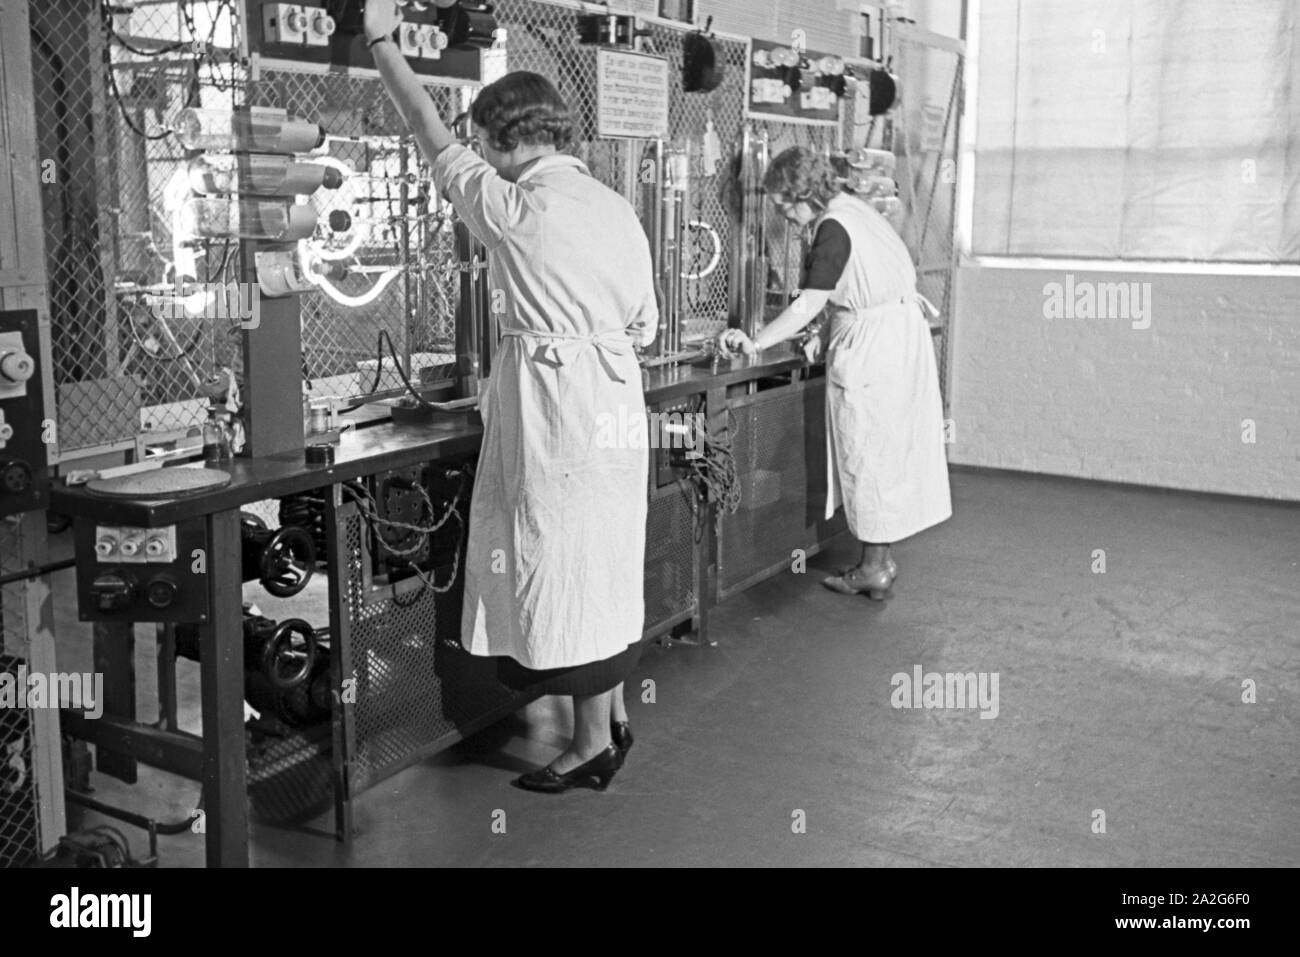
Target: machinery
x,y
25,432
278,267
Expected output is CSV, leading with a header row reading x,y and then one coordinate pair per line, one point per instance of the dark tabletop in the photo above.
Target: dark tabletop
x,y
377,448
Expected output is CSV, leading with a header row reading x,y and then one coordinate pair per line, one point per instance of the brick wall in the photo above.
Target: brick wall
x,y
1168,405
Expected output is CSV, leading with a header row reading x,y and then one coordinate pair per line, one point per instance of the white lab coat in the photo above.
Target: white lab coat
x,y
555,566
884,413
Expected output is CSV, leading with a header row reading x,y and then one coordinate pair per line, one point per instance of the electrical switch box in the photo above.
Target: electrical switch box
x,y
24,432
142,574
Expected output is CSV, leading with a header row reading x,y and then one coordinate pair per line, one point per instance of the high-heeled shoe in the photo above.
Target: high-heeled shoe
x,y
875,584
620,732
891,566
595,774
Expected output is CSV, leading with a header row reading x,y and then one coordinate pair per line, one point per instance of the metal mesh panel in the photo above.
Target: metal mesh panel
x,y
781,458
926,134
542,38
704,306
416,687
18,825
670,558
18,833
19,838
107,87
787,245
417,310
290,779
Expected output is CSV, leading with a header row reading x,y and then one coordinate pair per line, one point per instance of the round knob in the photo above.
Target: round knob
x,y
161,592
297,21
16,366
322,25
340,220
16,477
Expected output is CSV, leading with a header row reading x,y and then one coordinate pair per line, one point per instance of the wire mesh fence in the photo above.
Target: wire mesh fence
x,y
395,221
18,815
927,131
110,80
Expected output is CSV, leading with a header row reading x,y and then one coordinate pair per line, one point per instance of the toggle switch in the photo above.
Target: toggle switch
x,y
113,592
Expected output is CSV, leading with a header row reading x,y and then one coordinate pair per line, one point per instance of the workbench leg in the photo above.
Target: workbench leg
x,y
342,712
114,655
221,664
715,412
167,706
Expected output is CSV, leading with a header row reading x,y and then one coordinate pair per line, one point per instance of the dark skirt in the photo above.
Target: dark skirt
x,y
593,678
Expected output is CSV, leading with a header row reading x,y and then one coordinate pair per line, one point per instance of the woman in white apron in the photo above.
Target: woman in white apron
x,y
884,415
555,564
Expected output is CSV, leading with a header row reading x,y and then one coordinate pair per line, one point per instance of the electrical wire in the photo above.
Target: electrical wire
x,y
712,474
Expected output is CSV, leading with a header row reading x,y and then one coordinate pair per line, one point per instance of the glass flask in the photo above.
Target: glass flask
x,y
230,218
256,128
259,174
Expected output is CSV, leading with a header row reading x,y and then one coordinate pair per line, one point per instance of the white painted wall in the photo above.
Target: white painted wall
x,y
1096,398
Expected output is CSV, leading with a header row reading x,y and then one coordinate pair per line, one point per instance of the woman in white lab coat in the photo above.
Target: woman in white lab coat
x,y
884,415
554,570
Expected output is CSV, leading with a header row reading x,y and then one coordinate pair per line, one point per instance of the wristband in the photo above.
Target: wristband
x,y
371,43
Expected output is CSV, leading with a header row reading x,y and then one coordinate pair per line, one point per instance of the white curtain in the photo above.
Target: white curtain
x,y
1139,129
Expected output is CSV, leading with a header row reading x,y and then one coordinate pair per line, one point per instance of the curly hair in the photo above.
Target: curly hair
x,y
802,175
522,108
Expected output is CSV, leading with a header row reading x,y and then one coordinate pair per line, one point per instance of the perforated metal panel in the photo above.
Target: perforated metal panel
x,y
417,689
671,555
781,458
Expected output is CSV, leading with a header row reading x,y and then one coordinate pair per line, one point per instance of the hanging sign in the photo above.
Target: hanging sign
x,y
631,95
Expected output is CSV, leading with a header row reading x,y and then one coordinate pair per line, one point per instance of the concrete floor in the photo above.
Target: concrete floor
x,y
1118,692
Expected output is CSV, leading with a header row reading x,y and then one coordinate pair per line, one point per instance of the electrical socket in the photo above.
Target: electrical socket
x,y
136,546
16,366
320,26
411,38
284,23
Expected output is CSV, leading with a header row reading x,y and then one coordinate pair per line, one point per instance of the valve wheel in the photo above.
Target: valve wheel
x,y
288,561
289,654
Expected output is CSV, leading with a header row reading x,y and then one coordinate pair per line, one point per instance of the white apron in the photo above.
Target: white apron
x,y
555,564
884,413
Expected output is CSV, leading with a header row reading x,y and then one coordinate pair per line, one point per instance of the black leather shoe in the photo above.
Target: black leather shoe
x,y
595,774
620,732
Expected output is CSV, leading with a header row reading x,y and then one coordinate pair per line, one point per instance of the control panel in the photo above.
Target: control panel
x,y
142,574
418,518
459,40
24,483
674,434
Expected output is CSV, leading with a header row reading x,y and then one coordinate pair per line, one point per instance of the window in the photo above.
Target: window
x,y
1130,129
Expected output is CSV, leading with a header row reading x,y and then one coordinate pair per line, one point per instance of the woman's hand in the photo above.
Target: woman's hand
x,y
730,340
382,18
812,347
